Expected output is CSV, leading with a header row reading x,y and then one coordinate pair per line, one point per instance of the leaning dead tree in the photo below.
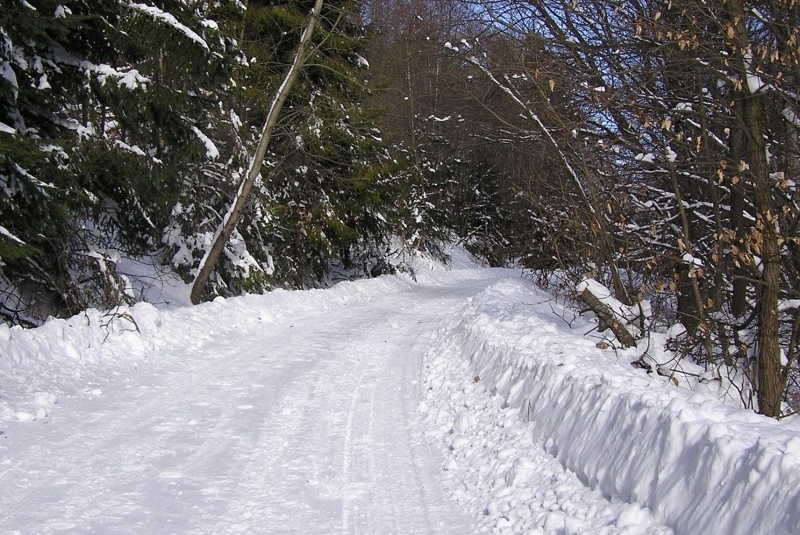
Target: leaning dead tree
x,y
223,234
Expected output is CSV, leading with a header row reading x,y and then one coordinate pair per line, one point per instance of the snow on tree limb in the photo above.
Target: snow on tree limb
x,y
211,150
169,19
612,313
7,234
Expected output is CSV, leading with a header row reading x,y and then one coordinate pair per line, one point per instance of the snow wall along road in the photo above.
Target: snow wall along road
x,y
701,467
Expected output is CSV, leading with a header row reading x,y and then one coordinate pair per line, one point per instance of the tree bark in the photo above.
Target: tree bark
x,y
695,323
770,385
223,234
738,222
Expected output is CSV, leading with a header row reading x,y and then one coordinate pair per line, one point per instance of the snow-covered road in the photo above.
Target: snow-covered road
x,y
305,425
467,402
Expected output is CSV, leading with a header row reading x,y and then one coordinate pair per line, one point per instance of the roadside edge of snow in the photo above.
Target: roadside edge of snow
x,y
701,467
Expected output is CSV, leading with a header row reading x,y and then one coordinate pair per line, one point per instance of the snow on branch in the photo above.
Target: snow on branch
x,y
169,19
211,150
129,78
7,234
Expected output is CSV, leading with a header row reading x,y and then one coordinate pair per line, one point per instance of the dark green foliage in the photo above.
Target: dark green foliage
x,y
98,101
126,129
319,202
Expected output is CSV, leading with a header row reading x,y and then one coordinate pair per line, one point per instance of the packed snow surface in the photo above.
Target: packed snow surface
x,y
465,402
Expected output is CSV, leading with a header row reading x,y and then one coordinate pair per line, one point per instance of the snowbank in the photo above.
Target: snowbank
x,y
701,467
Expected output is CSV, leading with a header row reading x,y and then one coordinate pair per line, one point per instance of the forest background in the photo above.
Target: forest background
x,y
651,146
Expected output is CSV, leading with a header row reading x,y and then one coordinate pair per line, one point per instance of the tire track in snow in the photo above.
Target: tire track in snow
x,y
354,470
347,455
386,458
266,498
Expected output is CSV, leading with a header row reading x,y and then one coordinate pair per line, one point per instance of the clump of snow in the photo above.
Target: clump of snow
x,y
23,416
211,150
692,260
61,12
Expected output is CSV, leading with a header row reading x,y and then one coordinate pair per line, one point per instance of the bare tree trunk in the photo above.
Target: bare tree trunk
x,y
770,383
738,222
209,261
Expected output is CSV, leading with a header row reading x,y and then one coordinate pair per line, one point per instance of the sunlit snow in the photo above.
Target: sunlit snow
x,y
211,150
465,402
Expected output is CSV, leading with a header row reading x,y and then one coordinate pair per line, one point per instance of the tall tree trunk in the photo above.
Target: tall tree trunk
x,y
770,384
209,261
694,316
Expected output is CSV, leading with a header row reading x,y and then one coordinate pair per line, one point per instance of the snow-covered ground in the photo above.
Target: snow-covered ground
x,y
575,440
460,403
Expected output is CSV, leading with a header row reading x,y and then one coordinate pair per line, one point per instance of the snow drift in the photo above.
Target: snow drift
x,y
700,466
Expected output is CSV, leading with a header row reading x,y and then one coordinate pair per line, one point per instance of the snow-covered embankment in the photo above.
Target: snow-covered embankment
x,y
701,467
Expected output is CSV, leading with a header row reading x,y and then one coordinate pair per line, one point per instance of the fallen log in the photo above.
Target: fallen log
x,y
607,317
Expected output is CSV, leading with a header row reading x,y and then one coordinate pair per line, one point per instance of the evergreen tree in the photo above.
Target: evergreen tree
x,y
322,201
103,106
